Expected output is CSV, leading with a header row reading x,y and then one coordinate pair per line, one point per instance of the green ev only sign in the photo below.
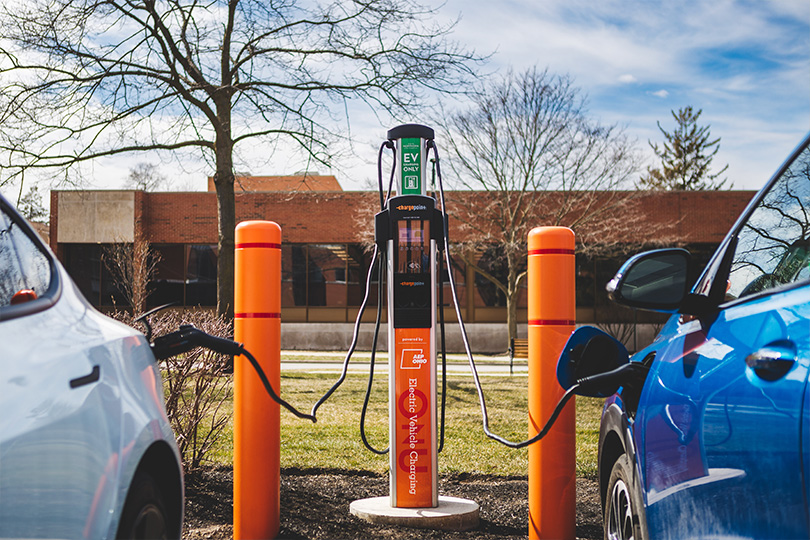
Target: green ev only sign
x,y
410,157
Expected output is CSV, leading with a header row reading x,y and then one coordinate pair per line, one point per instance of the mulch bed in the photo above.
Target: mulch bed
x,y
315,505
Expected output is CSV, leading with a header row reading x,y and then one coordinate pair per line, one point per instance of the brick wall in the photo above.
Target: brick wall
x,y
346,217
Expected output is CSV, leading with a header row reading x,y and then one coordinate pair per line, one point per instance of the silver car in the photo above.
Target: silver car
x,y
86,450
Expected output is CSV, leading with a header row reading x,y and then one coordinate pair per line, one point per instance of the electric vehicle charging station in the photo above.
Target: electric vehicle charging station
x,y
411,325
408,230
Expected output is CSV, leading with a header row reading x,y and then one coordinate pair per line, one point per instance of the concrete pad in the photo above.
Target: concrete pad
x,y
452,514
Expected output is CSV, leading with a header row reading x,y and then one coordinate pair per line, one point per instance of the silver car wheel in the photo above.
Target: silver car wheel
x,y
619,524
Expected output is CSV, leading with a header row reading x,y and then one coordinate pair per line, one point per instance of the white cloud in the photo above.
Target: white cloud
x,y
627,79
660,93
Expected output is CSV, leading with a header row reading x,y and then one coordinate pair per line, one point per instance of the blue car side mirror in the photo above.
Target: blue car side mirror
x,y
654,280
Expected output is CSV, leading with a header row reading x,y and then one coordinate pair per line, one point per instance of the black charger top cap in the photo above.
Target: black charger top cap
x,y
410,131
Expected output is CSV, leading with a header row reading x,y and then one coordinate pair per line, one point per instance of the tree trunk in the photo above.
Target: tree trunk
x,y
511,316
226,223
226,213
512,296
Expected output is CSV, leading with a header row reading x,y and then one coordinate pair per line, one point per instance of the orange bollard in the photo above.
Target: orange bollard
x,y
257,324
552,315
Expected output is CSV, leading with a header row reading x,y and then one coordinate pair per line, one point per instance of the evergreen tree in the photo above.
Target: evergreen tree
x,y
31,206
686,156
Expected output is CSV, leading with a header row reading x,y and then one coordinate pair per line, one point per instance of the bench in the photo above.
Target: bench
x,y
518,348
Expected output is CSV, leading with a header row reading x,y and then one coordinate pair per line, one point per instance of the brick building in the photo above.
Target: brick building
x,y
325,232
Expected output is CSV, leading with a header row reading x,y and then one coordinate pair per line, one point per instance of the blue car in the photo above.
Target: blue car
x,y
86,450
709,435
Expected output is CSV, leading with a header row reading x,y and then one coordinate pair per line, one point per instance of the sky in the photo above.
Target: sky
x,y
744,63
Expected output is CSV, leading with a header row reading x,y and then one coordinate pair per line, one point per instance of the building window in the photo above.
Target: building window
x,y
459,279
201,275
83,263
326,275
168,282
585,281
185,275
87,267
323,275
493,261
357,266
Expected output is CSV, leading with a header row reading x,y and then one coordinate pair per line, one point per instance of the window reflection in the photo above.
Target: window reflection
x,y
772,247
22,265
326,270
169,278
201,275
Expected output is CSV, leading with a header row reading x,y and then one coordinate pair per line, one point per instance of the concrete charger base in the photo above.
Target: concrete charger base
x,y
452,514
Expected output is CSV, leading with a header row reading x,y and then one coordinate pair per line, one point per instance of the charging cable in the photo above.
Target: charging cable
x,y
431,145
381,260
189,337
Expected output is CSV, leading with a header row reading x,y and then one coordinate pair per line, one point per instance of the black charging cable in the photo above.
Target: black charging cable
x,y
189,337
380,288
441,315
356,332
355,336
383,260
383,146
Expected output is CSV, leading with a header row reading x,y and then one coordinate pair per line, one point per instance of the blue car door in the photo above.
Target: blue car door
x,y
723,438
723,413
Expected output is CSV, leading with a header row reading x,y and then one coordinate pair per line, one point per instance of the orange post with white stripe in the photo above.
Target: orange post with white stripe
x,y
552,315
257,324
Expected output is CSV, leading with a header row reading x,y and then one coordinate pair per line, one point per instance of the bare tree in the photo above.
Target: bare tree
x,y
527,148
196,384
146,176
132,265
86,79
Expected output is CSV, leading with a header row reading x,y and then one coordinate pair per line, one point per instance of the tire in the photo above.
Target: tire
x,y
623,517
144,514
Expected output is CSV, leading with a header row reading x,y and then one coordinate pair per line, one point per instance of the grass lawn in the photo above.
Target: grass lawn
x,y
334,441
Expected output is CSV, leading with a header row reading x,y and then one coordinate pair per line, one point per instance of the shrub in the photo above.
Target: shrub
x,y
197,384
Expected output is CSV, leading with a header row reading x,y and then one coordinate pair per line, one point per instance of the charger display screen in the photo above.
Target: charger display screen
x,y
413,246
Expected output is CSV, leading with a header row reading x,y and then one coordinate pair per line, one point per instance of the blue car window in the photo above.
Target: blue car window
x,y
773,245
23,267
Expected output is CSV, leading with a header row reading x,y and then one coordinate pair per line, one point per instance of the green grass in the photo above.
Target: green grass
x,y
334,441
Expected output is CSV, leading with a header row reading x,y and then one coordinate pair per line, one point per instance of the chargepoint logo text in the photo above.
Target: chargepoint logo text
x,y
411,207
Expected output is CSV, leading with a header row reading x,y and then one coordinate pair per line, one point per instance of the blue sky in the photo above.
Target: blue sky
x,y
745,63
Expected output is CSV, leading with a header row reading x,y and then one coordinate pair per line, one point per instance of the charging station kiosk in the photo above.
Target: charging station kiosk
x,y
411,325
408,229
